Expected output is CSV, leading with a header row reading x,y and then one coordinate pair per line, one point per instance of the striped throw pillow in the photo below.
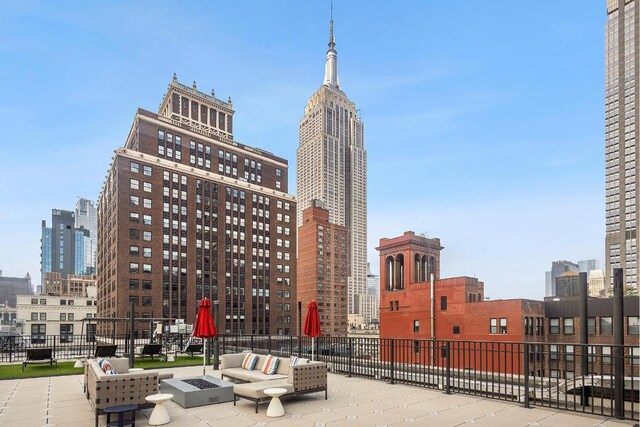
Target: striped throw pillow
x,y
249,362
270,365
293,361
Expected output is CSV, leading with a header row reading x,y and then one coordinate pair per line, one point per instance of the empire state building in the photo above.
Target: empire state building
x,y
332,168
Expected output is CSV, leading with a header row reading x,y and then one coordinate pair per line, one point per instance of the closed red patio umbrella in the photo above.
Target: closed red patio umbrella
x,y
204,327
312,323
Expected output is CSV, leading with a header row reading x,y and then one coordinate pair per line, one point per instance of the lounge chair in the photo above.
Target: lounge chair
x,y
39,356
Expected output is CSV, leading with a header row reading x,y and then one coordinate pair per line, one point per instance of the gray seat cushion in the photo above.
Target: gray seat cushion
x,y
238,373
256,376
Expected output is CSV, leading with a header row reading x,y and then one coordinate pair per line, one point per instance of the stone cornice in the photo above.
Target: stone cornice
x,y
199,173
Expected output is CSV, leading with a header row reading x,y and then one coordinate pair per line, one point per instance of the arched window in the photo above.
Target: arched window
x,y
425,267
399,272
388,271
432,267
418,273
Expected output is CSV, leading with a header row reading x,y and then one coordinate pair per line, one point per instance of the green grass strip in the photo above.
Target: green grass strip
x,y
10,372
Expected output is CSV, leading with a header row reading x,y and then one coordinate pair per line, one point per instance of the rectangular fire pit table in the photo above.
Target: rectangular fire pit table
x,y
197,391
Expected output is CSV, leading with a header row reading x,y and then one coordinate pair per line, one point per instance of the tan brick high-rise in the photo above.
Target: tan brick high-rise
x,y
186,212
323,268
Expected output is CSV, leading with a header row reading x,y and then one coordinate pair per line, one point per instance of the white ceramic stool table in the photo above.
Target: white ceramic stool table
x,y
275,408
159,415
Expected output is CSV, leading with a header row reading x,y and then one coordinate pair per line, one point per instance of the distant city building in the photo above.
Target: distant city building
x,y
323,267
557,268
186,212
587,265
56,315
370,307
597,284
69,246
10,287
86,216
622,127
373,282
567,284
332,167
72,286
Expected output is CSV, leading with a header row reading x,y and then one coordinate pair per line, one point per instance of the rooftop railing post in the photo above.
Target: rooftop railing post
x,y
618,341
448,368
392,359
54,346
132,344
350,350
526,376
216,319
269,343
251,343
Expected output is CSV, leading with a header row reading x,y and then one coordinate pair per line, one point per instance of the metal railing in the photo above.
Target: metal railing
x,y
561,376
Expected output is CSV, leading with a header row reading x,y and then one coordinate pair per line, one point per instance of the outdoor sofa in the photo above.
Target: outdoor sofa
x,y
124,388
305,377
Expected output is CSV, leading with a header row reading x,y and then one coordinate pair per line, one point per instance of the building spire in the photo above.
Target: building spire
x,y
331,65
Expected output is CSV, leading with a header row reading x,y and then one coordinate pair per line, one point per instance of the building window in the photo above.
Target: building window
x,y
146,285
554,325
503,326
38,333
591,325
146,252
146,219
568,325
133,267
146,236
606,327
146,186
135,184
34,316
135,167
569,353
134,250
66,333
146,301
493,326
553,352
63,317
606,355
133,285
633,325
43,316
146,170
134,234
416,326
443,303
456,330
554,373
147,203
146,268
34,300
135,201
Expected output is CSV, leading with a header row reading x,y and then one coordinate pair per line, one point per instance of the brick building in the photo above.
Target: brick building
x,y
323,268
186,212
485,335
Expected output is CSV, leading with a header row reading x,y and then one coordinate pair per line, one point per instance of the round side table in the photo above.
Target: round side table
x,y
159,415
275,408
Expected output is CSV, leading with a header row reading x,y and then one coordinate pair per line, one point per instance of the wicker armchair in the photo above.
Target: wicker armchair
x,y
124,388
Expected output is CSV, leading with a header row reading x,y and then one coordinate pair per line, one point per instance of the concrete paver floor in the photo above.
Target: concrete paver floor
x,y
352,402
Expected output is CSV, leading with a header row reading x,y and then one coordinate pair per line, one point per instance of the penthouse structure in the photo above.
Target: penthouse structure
x,y
187,212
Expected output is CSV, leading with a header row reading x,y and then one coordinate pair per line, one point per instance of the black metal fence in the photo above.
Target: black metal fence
x,y
562,376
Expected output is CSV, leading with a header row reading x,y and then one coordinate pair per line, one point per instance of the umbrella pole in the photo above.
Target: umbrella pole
x,y
204,357
313,341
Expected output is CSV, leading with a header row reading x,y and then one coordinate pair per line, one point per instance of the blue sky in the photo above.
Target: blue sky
x,y
483,119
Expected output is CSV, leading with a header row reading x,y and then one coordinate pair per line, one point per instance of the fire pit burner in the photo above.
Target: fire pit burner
x,y
200,383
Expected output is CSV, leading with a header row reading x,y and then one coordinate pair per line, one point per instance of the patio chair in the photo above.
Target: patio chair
x,y
151,350
107,350
39,356
193,348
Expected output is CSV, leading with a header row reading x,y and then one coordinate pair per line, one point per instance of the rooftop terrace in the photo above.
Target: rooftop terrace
x,y
353,402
